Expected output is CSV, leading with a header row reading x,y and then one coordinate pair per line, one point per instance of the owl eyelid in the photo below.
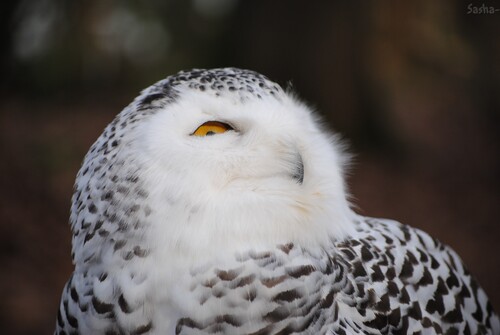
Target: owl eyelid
x,y
214,122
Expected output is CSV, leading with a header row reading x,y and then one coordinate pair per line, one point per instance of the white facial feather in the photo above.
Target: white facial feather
x,y
236,189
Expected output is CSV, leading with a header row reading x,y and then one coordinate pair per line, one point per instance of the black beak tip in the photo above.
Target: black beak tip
x,y
299,171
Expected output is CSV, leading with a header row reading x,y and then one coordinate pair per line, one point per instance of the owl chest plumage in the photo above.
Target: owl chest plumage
x,y
384,281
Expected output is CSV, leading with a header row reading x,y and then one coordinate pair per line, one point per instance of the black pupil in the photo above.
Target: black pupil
x,y
210,133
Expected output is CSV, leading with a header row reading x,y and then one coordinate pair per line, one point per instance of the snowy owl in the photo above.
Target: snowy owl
x,y
215,204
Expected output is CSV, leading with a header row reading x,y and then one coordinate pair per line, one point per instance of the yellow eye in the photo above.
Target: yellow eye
x,y
211,128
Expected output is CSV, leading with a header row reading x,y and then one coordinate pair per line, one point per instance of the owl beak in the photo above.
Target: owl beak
x,y
298,174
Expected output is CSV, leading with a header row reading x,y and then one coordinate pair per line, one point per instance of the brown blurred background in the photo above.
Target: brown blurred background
x,y
414,87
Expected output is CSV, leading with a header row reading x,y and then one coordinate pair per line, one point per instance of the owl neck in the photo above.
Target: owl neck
x,y
237,220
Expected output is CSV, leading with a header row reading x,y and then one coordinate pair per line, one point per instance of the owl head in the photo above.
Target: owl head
x,y
206,160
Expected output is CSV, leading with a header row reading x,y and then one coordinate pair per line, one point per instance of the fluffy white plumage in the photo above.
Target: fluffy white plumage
x,y
247,231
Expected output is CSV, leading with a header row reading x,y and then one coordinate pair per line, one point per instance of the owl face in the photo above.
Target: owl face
x,y
219,145
227,159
